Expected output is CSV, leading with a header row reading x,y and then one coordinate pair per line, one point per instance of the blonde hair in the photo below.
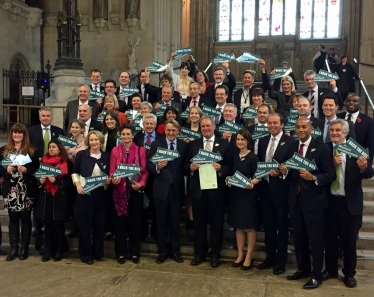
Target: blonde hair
x,y
115,100
97,133
287,78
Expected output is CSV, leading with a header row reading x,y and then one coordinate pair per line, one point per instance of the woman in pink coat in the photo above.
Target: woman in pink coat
x,y
128,195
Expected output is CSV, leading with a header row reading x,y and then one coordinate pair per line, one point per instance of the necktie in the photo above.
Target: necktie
x,y
349,117
336,183
194,103
207,145
327,138
87,128
95,88
148,141
172,146
216,120
271,150
300,152
312,100
46,140
143,92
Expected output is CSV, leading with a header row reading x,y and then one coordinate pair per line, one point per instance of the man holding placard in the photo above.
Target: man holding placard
x,y
308,199
364,125
344,213
219,77
195,99
274,195
168,189
259,130
95,85
207,190
41,135
167,96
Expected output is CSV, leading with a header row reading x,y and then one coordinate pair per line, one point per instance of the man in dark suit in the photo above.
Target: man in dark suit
x,y
145,139
71,111
124,82
195,99
111,89
242,97
208,205
230,114
166,80
263,112
364,125
167,93
329,107
85,113
307,201
95,85
37,133
344,213
168,191
147,96
316,93
219,75
274,195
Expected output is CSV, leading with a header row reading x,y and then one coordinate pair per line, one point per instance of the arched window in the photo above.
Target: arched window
x,y
242,20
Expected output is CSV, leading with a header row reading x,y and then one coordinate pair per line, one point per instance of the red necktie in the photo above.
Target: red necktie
x,y
148,141
300,152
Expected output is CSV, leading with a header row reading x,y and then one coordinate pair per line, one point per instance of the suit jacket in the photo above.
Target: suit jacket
x,y
139,139
176,105
231,84
277,187
321,92
172,175
238,94
151,98
283,107
37,140
157,93
202,101
352,184
364,129
122,105
221,146
71,112
277,82
95,125
312,196
84,164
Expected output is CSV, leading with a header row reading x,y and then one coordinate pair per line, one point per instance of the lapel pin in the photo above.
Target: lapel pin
x,y
313,149
282,143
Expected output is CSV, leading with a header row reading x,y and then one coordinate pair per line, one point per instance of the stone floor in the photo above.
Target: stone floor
x,y
70,277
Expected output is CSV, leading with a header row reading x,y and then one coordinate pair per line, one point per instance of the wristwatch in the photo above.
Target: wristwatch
x,y
314,178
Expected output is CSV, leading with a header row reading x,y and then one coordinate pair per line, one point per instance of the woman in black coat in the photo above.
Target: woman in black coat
x,y
51,204
284,96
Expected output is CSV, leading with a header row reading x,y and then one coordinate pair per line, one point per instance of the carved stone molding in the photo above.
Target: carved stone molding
x,y
100,24
16,7
50,20
35,17
132,22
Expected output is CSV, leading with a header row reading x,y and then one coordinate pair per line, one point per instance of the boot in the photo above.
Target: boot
x,y
24,253
13,253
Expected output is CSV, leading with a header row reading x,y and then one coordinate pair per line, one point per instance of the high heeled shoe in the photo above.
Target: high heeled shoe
x,y
237,264
248,267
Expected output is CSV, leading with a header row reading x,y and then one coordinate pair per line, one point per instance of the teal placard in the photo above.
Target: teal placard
x,y
155,66
127,92
182,52
229,126
250,113
259,132
248,57
352,149
264,168
46,171
290,125
238,180
188,133
299,162
164,154
94,95
94,182
124,170
184,114
160,112
325,76
211,111
204,157
66,141
8,160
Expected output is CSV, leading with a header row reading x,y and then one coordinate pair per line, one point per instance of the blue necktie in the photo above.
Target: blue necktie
x,y
172,146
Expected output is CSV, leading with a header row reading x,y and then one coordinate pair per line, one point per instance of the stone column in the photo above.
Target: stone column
x,y
367,41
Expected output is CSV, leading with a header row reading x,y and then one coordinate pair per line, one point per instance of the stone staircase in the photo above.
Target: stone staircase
x,y
365,243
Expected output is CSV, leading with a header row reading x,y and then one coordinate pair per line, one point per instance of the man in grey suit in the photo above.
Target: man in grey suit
x,y
71,112
167,94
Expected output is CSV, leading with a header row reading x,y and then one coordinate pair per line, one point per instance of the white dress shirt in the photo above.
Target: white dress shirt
x,y
341,190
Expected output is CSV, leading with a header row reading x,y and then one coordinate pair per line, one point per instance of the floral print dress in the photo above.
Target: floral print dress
x,y
17,199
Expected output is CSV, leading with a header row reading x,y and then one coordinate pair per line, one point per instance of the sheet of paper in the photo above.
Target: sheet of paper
x,y
208,177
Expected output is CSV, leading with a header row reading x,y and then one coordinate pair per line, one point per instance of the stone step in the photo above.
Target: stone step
x,y
367,223
368,208
365,240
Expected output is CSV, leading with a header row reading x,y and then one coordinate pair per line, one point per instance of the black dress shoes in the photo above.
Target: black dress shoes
x,y
2,252
99,258
327,275
45,259
298,275
279,269
12,254
121,259
135,259
197,260
350,281
237,264
266,264
215,262
248,267
312,284
177,258
161,259
88,262
24,253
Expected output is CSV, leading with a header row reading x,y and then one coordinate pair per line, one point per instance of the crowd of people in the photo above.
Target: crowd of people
x,y
324,204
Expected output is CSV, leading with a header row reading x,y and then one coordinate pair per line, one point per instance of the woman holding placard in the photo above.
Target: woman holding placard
x,y
128,195
111,103
180,82
92,162
135,101
19,187
242,212
51,204
284,96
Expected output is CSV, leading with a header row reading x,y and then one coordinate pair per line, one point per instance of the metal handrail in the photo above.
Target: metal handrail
x,y
17,109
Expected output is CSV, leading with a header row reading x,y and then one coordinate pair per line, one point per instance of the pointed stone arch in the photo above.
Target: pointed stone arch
x,y
19,61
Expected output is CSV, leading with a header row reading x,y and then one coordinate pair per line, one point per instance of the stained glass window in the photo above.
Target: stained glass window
x,y
241,19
